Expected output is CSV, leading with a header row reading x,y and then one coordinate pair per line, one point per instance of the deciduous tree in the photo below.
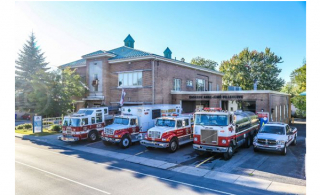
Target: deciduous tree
x,y
206,63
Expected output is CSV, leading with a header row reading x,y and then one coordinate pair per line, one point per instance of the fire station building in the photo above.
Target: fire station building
x,y
149,78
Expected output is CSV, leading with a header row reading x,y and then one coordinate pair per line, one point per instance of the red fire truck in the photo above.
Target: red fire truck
x,y
87,123
134,122
223,131
169,132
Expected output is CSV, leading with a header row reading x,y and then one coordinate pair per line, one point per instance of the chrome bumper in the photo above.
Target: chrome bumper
x,y
109,139
154,144
267,147
210,148
68,138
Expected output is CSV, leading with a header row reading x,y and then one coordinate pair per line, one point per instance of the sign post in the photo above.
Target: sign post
x,y
37,124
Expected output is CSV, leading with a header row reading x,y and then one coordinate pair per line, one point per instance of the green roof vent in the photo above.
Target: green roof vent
x,y
167,53
129,42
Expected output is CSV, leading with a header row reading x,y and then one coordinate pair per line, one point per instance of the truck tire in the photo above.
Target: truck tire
x,y
227,155
173,145
125,142
294,142
284,151
93,136
106,143
248,142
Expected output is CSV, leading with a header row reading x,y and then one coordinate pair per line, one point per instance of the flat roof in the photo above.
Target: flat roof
x,y
225,92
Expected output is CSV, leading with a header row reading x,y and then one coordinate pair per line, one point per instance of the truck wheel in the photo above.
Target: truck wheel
x,y
227,155
106,143
173,145
248,142
284,151
93,136
294,143
125,142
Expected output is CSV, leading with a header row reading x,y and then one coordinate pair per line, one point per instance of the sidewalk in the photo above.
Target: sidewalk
x,y
249,181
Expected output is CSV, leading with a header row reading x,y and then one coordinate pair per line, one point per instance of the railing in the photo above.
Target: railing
x,y
47,122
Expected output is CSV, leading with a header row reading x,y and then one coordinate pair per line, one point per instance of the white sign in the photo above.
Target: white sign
x,y
37,124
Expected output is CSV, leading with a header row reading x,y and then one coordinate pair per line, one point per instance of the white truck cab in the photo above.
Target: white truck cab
x,y
169,132
275,136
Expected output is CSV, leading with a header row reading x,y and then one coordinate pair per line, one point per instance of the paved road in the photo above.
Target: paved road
x,y
265,165
47,169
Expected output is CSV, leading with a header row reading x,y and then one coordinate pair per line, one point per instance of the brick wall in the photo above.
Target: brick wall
x,y
165,73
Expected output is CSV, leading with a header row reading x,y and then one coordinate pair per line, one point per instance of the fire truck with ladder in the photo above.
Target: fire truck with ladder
x,y
222,131
87,123
170,131
134,122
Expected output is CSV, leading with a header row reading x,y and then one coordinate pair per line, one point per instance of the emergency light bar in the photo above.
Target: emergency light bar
x,y
212,109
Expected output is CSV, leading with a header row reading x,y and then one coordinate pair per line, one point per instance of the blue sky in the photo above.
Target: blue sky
x,y
216,30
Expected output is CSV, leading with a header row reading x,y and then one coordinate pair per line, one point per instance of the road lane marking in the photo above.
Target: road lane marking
x,y
198,165
135,172
64,178
141,152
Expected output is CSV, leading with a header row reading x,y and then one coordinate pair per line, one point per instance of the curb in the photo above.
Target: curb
x,y
248,181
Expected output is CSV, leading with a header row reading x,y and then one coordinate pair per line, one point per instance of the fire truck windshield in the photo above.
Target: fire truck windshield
x,y
166,122
66,122
122,121
75,122
85,112
211,120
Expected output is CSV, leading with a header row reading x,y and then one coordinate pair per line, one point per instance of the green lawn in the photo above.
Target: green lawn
x,y
29,132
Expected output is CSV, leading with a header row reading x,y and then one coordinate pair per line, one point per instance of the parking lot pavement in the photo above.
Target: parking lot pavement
x,y
288,169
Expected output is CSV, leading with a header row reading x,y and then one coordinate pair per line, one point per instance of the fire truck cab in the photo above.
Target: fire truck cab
x,y
223,131
134,122
87,123
169,132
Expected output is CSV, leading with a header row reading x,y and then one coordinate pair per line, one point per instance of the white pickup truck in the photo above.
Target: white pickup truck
x,y
275,136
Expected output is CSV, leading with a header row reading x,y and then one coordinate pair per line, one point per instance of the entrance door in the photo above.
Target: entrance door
x,y
224,104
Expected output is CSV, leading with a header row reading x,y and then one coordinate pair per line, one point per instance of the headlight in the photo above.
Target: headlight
x,y
224,141
280,142
163,139
195,139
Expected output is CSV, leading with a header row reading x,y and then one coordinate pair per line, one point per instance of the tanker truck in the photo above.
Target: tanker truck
x,y
222,131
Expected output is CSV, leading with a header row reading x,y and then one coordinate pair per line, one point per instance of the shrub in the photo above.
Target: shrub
x,y
47,123
56,128
27,126
19,127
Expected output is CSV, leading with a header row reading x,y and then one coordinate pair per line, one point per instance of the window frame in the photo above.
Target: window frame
x,y
189,83
130,79
174,84
204,84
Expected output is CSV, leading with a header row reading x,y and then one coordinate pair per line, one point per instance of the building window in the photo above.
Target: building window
x,y
177,84
130,79
276,113
280,113
218,88
210,86
189,83
200,85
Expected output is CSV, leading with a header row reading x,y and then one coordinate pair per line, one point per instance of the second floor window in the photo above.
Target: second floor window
x,y
189,83
200,85
128,79
210,86
177,84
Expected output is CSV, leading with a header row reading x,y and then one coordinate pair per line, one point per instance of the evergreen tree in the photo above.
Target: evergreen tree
x,y
29,62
